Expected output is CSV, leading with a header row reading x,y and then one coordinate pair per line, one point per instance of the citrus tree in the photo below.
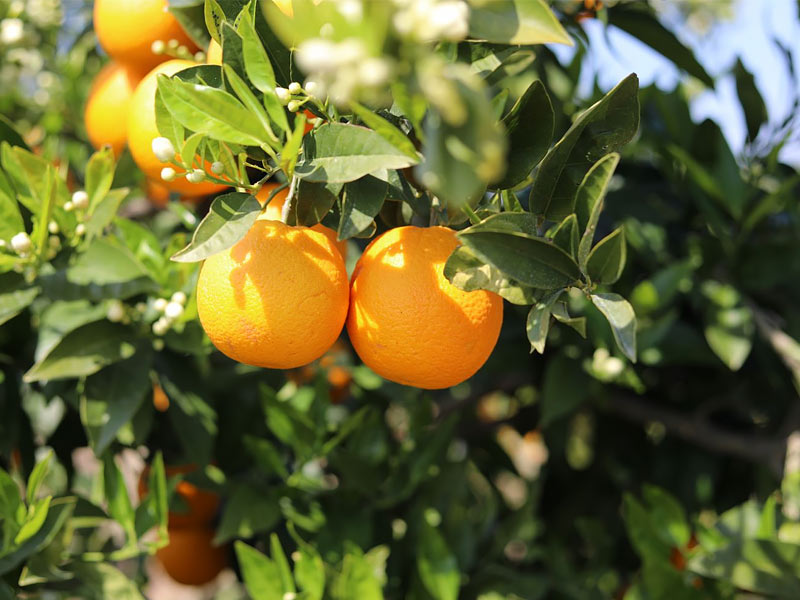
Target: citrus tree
x,y
423,176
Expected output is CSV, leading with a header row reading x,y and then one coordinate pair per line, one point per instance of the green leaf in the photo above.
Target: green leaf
x,y
603,128
767,567
189,14
641,531
641,23
261,575
338,152
436,565
112,397
620,316
387,131
116,495
256,61
99,176
313,201
228,220
37,513
525,258
515,22
14,302
279,557
538,323
36,477
251,103
288,158
469,273
661,289
606,261
529,126
166,124
361,202
10,218
10,135
209,110
561,314
357,579
755,111
565,235
100,581
30,175
589,201
309,572
519,222
248,512
729,324
59,512
106,262
667,516
84,351
104,212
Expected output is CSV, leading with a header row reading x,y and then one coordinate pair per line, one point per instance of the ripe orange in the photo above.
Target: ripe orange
x,y
275,207
142,129
202,505
106,112
214,54
126,30
190,557
407,322
277,299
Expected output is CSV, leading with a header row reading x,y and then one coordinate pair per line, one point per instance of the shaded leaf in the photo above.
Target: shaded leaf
x,y
515,22
606,261
469,273
620,316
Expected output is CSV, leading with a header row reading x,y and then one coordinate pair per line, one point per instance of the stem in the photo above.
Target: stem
x,y
473,218
287,206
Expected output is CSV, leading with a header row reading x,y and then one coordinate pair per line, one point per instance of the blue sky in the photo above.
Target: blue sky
x,y
748,35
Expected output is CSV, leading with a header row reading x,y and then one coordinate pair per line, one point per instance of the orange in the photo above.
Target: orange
x,y
407,322
142,129
277,299
201,505
275,208
214,54
126,29
157,193
160,399
106,113
190,557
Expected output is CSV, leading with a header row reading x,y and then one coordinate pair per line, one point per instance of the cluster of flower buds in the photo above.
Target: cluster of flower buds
x,y
175,49
432,20
170,310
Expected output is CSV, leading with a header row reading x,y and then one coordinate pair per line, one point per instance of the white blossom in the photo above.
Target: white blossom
x,y
115,312
21,243
217,168
178,297
80,229
168,174
11,31
294,88
160,304
80,200
283,95
163,149
195,176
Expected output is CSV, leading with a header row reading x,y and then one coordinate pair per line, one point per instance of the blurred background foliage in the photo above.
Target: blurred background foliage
x,y
573,474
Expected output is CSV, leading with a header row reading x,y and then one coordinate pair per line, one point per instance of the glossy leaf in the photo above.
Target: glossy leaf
x,y
313,201
14,302
437,566
589,202
261,575
387,131
529,125
338,152
84,351
228,220
755,111
247,513
538,323
469,273
601,129
606,261
361,202
566,235
525,258
620,316
99,176
729,324
515,22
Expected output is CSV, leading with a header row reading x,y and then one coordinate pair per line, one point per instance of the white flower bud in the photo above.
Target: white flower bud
x,y
200,57
158,345
52,227
283,95
196,176
160,304
217,168
54,242
158,47
80,229
80,200
182,50
294,88
173,310
168,174
161,326
313,89
450,19
11,31
116,311
293,106
68,206
178,297
163,149
172,44
2,243
317,56
373,72
141,307
21,243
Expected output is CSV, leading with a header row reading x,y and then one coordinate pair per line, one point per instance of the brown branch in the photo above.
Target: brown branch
x,y
768,451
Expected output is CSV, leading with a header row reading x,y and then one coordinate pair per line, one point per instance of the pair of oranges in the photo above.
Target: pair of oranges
x,y
280,297
120,109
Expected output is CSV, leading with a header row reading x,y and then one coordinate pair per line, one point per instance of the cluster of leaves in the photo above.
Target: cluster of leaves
x,y
509,486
